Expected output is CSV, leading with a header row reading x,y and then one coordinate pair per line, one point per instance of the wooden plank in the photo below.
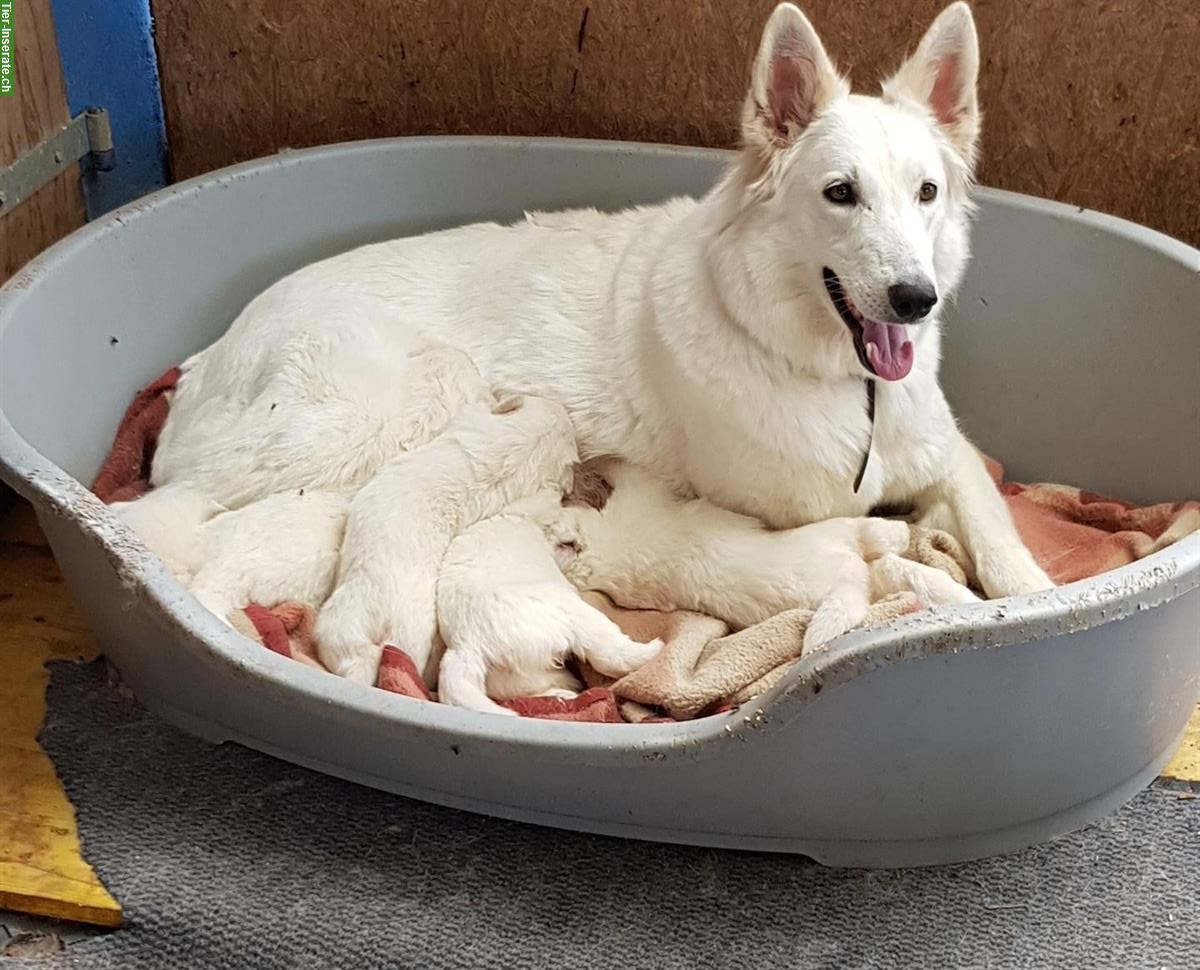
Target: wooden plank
x,y
38,108
42,869
19,526
1092,102
1186,764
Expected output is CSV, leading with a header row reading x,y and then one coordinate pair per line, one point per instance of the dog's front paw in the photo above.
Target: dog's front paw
x,y
1010,571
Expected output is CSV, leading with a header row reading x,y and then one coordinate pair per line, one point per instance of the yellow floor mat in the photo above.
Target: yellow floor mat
x,y
42,870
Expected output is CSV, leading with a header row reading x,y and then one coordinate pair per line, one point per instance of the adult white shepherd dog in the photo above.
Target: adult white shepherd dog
x,y
727,344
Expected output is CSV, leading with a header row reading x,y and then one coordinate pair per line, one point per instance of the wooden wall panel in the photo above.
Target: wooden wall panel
x,y
37,108
1094,102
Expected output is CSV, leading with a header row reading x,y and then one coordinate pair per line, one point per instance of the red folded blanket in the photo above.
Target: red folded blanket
x,y
125,474
1073,534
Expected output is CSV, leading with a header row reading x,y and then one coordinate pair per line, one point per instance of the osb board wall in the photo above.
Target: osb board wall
x,y
36,108
1093,102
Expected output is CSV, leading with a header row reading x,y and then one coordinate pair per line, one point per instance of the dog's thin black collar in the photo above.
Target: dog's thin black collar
x,y
862,469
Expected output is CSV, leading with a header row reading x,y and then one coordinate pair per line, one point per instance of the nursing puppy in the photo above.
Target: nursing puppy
x,y
728,344
510,619
168,521
283,548
648,549
402,521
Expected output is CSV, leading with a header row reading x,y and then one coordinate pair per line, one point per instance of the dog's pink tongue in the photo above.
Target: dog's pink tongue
x,y
888,349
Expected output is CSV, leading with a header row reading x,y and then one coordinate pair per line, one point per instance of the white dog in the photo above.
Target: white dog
x,y
730,344
402,521
299,431
168,520
280,548
283,548
510,619
648,549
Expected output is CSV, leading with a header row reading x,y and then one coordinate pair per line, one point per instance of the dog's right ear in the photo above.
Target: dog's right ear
x,y
792,81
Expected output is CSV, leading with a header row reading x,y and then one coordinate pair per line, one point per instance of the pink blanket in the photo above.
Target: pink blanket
x,y
703,669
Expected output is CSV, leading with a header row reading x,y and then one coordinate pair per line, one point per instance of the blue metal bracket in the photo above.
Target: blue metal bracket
x,y
108,58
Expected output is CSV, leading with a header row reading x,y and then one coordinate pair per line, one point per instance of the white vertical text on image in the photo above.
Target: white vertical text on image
x,y
7,47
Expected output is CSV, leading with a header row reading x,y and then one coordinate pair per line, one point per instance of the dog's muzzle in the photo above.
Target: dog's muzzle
x,y
884,349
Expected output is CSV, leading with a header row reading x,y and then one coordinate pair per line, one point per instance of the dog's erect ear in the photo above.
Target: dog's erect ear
x,y
941,75
793,79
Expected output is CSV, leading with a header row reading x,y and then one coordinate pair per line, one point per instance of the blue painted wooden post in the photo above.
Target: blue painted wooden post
x,y
108,59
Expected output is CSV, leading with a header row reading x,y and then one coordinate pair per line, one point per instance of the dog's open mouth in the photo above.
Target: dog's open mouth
x,y
883,348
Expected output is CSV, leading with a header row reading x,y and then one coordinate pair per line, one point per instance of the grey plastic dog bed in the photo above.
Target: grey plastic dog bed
x,y
1072,355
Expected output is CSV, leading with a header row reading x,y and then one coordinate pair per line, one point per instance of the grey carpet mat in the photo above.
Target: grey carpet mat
x,y
225,858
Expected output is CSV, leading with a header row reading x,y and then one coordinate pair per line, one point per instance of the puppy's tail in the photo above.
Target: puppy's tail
x,y
462,682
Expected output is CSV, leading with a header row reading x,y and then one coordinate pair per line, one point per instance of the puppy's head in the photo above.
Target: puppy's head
x,y
858,206
537,441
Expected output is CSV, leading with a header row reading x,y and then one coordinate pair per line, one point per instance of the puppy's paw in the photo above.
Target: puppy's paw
x,y
1010,571
949,594
566,525
559,693
828,623
565,530
360,668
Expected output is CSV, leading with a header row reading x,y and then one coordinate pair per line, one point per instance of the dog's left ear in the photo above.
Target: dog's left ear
x,y
942,75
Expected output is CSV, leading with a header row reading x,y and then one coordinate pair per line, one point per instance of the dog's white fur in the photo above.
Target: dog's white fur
x,y
274,424
694,338
283,548
510,619
649,549
402,521
168,521
280,548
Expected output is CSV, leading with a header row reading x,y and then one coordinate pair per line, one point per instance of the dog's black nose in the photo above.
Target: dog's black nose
x,y
912,301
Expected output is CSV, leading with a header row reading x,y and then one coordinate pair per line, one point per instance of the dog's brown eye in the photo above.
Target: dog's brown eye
x,y
928,192
840,193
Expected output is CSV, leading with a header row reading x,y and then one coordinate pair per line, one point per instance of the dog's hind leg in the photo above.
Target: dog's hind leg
x,y
462,682
548,682
357,662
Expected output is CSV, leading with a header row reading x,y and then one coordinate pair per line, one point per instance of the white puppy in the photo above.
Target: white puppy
x,y
278,549
283,548
168,520
402,521
649,549
510,619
